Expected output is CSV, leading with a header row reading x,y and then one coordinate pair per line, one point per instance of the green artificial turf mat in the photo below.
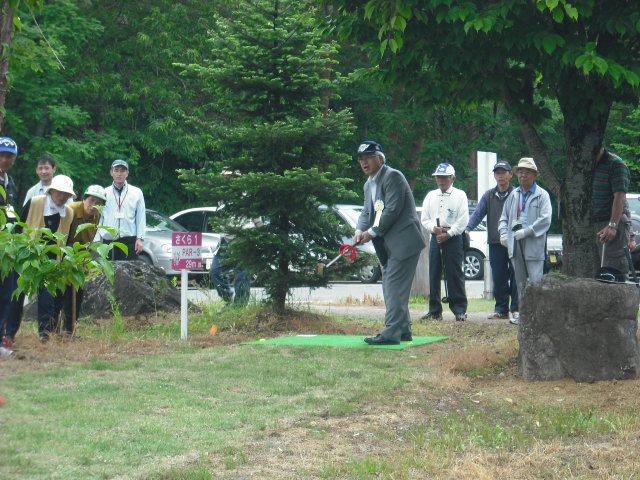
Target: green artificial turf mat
x,y
341,341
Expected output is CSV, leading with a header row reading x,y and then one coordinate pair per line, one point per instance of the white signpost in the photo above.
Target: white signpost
x,y
486,180
186,255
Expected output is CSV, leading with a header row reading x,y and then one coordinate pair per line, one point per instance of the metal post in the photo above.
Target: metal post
x,y
184,321
488,281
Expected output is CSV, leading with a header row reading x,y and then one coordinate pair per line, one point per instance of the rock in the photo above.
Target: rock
x,y
138,289
579,328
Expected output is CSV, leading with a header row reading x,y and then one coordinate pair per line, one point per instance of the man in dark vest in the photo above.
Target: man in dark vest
x,y
504,281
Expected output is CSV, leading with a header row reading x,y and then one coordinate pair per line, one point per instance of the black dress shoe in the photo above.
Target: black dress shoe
x,y
407,337
378,340
432,316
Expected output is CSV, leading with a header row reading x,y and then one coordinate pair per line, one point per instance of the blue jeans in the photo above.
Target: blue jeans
x,y
504,280
221,278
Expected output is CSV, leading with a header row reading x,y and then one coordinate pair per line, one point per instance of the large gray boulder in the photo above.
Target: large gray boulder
x,y
579,328
138,289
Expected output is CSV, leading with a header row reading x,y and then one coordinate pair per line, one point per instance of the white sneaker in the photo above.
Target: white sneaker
x,y
515,318
5,352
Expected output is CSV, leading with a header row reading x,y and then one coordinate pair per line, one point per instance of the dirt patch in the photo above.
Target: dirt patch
x,y
30,354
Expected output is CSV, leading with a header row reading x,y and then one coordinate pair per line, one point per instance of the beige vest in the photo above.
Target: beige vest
x,y
35,218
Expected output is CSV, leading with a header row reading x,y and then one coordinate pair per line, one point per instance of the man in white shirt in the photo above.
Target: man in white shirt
x,y
124,210
46,169
445,214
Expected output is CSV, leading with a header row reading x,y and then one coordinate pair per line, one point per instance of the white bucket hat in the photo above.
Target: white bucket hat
x,y
62,183
96,191
527,162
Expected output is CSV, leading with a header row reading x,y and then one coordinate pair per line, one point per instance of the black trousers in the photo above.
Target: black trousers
x,y
451,253
117,254
49,307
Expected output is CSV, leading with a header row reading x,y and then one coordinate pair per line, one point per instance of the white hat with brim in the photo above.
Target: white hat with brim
x,y
96,191
527,162
63,184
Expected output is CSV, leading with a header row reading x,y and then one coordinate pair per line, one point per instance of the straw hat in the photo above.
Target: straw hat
x,y
527,162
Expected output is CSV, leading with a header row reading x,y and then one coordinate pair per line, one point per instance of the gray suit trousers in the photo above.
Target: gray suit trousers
x,y
397,277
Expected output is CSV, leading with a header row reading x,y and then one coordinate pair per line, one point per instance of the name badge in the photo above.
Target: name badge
x,y
119,215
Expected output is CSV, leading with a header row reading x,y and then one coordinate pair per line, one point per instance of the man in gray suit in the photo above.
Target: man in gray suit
x,y
390,221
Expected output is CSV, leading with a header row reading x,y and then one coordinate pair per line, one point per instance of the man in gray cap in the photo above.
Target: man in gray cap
x,y
124,210
390,221
523,226
491,204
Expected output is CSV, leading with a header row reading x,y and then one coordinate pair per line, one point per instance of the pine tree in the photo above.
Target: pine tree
x,y
278,157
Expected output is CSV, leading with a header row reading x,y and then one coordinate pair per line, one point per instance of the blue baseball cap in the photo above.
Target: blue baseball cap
x,y
8,145
369,146
119,162
444,169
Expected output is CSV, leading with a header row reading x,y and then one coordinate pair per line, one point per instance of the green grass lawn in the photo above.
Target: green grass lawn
x,y
449,410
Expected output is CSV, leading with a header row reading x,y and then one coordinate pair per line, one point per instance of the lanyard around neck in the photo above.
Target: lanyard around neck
x,y
120,199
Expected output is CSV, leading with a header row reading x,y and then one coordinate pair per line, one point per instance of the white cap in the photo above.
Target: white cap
x,y
96,191
444,169
62,183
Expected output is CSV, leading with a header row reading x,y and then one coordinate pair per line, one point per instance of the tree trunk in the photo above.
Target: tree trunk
x,y
6,35
580,256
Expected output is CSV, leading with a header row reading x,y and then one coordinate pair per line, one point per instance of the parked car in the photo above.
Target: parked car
x,y
157,245
370,271
197,220
478,248
473,259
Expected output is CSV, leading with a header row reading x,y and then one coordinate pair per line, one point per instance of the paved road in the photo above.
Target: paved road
x,y
335,293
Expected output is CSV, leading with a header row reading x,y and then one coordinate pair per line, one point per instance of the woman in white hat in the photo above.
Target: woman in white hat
x,y
47,211
84,211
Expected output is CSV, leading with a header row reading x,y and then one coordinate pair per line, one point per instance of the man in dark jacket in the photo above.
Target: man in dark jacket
x,y
491,203
390,221
8,154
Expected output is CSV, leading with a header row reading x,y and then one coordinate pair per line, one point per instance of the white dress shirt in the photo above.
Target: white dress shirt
x,y
125,211
37,189
451,207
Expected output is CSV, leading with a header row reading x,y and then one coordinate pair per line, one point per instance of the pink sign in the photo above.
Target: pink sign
x,y
186,251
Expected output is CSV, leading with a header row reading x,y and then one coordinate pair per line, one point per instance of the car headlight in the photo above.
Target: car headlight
x,y
167,248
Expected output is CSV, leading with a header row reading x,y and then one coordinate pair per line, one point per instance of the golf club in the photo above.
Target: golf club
x,y
444,299
515,228
627,252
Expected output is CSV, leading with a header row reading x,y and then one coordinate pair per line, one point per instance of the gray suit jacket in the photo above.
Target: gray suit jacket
x,y
399,234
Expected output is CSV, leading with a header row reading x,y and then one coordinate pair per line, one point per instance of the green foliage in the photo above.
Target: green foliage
x,y
278,157
625,139
115,94
42,259
532,56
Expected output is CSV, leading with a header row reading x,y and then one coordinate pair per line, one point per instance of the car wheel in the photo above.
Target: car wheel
x,y
145,258
473,265
370,273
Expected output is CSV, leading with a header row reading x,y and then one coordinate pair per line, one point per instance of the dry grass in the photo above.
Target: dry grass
x,y
373,301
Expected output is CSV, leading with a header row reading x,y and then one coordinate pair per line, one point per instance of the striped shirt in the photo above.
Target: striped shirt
x,y
610,176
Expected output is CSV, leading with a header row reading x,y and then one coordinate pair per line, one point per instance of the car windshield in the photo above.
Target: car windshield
x,y
634,204
351,215
157,222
